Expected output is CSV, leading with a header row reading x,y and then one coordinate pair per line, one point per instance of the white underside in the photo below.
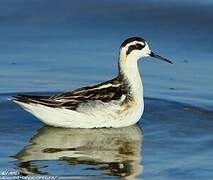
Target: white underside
x,y
87,116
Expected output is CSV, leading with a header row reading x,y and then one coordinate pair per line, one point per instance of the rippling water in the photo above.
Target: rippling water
x,y
49,46
172,141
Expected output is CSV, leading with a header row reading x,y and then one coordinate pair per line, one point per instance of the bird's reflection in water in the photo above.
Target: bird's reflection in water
x,y
117,152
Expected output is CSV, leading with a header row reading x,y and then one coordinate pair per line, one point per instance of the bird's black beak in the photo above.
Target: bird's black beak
x,y
160,57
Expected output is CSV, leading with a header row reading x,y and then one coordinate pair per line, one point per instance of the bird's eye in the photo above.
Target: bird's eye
x,y
139,46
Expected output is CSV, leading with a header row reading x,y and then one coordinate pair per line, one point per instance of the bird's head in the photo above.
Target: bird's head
x,y
135,48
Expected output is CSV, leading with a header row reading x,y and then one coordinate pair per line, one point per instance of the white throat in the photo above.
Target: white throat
x,y
129,68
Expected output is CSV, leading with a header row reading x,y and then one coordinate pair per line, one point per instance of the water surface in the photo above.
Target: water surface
x,y
49,46
172,141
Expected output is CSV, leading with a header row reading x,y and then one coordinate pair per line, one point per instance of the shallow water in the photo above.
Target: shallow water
x,y
172,141
49,46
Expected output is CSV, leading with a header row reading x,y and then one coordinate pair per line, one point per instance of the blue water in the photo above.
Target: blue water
x,y
51,46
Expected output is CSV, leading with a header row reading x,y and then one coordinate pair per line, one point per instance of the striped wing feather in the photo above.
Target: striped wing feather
x,y
105,92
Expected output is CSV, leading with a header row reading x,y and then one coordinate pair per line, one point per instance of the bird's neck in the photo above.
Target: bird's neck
x,y
128,68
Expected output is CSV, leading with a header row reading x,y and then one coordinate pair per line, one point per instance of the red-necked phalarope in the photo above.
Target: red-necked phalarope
x,y
114,103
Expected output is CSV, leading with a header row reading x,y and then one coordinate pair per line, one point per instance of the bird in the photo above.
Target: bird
x,y
115,103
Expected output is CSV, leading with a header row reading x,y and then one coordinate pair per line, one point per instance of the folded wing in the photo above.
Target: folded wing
x,y
105,92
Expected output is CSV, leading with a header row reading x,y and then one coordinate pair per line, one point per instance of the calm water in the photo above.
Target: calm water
x,y
49,46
